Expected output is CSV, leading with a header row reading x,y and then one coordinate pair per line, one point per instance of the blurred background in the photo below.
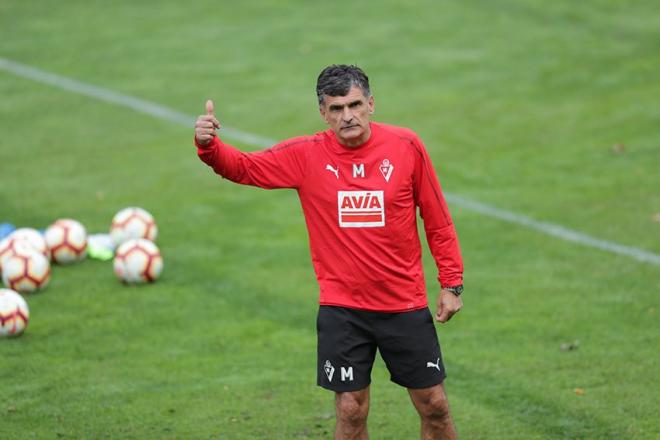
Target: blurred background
x,y
542,122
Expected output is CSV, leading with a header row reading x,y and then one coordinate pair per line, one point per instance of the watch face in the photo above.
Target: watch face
x,y
457,290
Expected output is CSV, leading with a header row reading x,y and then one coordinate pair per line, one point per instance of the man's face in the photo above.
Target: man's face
x,y
348,116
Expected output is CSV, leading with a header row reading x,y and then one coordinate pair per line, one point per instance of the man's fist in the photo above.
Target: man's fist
x,y
206,125
448,305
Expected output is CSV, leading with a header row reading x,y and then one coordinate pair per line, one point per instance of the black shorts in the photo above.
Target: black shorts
x,y
348,339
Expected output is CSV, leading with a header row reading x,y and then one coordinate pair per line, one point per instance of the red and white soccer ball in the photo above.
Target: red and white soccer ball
x,y
67,241
10,247
14,313
138,261
33,237
26,239
25,270
132,223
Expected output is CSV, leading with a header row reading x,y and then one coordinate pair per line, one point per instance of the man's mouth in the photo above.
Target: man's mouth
x,y
348,126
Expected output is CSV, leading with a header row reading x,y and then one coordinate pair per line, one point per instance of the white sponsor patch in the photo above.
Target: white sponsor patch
x,y
361,209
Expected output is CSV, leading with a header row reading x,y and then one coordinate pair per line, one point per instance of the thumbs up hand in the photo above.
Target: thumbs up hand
x,y
206,125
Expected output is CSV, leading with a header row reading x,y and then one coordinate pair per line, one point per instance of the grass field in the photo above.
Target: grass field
x,y
519,103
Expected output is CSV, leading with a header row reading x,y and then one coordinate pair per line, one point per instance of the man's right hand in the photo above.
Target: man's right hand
x,y
206,125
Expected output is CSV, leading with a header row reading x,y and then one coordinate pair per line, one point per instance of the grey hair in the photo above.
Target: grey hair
x,y
337,80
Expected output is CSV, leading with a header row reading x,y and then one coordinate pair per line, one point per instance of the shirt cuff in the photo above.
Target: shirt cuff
x,y
211,144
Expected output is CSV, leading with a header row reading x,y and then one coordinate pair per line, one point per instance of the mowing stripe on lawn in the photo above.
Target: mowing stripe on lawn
x,y
168,114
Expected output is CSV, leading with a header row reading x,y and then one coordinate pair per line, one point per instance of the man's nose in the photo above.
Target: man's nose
x,y
347,114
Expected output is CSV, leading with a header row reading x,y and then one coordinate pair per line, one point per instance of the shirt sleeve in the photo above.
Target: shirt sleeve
x,y
440,232
281,166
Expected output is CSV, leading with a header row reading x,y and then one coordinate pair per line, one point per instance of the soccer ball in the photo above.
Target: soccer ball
x,y
33,238
67,241
10,247
14,313
133,223
26,270
138,261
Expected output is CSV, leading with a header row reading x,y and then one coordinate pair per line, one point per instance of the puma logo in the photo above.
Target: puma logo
x,y
334,170
432,365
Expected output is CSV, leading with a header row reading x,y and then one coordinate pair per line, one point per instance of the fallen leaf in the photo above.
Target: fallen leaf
x,y
618,148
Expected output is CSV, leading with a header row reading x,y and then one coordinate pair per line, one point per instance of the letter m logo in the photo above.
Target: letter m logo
x,y
358,170
346,374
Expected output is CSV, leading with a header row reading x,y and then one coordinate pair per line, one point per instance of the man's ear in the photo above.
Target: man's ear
x,y
322,112
371,104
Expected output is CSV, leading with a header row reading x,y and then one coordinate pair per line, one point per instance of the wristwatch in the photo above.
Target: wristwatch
x,y
456,290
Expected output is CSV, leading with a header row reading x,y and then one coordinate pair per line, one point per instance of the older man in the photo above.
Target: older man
x,y
360,184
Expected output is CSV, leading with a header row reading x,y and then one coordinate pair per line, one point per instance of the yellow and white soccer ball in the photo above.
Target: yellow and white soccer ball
x,y
67,241
32,237
25,270
132,223
138,261
14,313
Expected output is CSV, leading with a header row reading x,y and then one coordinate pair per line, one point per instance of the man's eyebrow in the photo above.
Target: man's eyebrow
x,y
350,104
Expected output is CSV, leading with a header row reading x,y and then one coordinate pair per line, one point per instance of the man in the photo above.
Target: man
x,y
359,184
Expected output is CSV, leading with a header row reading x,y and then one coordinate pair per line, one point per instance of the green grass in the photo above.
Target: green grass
x,y
519,103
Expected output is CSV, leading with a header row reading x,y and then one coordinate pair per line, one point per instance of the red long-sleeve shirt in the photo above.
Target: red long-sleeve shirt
x,y
360,210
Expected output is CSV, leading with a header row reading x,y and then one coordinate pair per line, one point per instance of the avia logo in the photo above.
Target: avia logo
x,y
432,365
329,370
328,167
361,209
386,169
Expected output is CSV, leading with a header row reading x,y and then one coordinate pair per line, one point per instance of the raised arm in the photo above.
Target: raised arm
x,y
281,166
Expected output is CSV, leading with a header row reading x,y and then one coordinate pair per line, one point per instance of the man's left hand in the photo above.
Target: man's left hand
x,y
448,305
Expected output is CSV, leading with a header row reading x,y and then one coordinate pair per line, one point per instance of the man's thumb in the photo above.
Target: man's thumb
x,y
209,107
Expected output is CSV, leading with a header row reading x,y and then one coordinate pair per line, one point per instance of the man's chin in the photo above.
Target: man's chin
x,y
351,136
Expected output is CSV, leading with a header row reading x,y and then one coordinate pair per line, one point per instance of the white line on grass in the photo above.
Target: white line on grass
x,y
137,104
554,230
168,114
